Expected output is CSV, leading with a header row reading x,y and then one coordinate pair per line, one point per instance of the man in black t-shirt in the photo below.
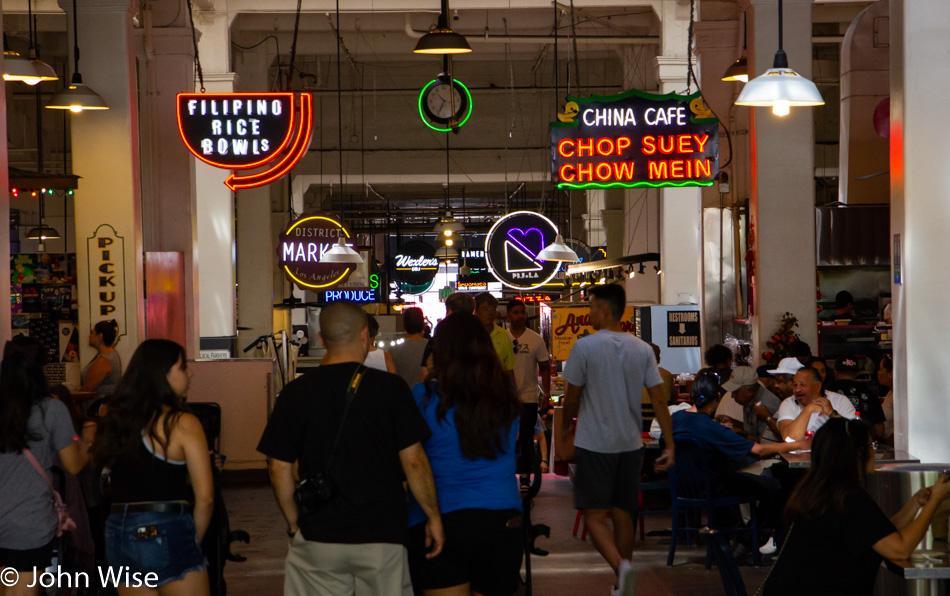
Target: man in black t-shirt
x,y
865,401
357,538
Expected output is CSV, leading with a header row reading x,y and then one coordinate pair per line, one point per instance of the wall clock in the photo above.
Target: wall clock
x,y
437,100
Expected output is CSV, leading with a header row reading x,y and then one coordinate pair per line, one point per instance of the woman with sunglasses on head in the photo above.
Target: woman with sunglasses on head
x,y
838,533
162,489
471,407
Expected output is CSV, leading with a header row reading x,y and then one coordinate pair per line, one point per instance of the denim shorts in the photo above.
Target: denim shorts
x,y
160,543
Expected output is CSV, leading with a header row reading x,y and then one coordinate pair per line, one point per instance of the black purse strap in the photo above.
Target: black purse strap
x,y
351,390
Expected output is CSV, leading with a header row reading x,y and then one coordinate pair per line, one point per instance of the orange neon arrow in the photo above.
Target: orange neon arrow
x,y
297,150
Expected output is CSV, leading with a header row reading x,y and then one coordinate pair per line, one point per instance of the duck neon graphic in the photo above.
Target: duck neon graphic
x,y
241,131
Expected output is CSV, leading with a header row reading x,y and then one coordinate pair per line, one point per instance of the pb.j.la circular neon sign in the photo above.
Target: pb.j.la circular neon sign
x,y
512,247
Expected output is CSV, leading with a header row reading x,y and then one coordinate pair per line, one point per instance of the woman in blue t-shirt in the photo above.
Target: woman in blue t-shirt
x,y
471,407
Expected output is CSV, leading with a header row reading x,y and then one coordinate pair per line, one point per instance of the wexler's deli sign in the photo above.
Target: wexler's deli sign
x,y
635,139
105,251
241,131
414,263
301,247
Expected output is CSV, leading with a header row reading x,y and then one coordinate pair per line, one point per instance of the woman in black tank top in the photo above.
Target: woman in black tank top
x,y
162,489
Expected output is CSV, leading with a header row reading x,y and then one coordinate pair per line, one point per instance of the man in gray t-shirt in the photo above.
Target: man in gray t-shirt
x,y
606,373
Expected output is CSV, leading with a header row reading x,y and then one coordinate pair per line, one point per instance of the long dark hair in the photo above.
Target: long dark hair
x,y
470,377
137,403
22,384
839,455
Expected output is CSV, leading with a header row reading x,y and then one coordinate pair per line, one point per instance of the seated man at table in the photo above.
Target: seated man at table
x,y
749,407
865,401
782,377
727,452
807,409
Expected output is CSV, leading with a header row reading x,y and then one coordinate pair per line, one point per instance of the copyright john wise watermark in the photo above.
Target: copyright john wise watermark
x,y
114,577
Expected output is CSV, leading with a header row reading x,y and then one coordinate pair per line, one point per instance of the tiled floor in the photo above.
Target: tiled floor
x,y
572,567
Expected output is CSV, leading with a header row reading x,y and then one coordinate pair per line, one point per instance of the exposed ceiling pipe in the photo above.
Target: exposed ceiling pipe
x,y
626,40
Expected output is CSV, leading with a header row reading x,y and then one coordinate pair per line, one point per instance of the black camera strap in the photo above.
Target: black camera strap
x,y
351,390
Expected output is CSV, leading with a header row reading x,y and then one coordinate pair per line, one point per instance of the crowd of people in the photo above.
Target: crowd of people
x,y
405,472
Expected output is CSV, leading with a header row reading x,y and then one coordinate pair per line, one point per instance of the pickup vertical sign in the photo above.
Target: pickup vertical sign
x,y
635,139
105,251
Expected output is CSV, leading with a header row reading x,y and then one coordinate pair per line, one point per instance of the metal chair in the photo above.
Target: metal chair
x,y
690,487
728,570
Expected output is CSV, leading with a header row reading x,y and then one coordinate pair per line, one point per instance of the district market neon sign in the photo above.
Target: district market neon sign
x,y
635,139
301,248
240,131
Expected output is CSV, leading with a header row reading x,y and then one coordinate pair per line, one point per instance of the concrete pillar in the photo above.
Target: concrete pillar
x,y
680,208
169,204
594,218
105,149
641,206
256,241
6,324
215,201
782,203
919,212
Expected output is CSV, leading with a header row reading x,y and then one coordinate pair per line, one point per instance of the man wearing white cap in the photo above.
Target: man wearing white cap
x,y
782,386
808,409
750,406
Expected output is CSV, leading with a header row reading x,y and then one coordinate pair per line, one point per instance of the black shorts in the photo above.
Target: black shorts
x,y
605,480
26,560
480,549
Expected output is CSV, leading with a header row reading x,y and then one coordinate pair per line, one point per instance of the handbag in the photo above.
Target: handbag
x,y
64,522
317,490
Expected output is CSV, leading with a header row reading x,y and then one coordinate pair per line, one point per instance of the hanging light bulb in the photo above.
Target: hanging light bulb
x,y
77,97
780,87
558,251
341,253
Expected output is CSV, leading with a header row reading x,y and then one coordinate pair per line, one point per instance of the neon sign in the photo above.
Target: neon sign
x,y
358,296
301,248
512,246
635,139
246,130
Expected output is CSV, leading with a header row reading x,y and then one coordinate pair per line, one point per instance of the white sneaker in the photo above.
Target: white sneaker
x,y
624,576
768,548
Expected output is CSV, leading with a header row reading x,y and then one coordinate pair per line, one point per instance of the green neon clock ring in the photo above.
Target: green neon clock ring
x,y
463,113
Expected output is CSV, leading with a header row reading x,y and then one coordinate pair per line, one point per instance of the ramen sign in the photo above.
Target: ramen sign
x,y
301,247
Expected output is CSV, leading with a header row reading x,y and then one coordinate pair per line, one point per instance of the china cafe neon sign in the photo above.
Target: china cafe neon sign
x,y
241,131
635,139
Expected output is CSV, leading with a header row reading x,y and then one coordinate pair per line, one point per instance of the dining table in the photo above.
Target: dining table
x,y
882,456
925,571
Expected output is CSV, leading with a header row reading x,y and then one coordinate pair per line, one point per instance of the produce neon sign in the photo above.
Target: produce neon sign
x,y
635,139
241,131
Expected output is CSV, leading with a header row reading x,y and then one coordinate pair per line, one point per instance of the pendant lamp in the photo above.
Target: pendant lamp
x,y
341,253
558,251
448,225
442,40
77,97
739,70
780,87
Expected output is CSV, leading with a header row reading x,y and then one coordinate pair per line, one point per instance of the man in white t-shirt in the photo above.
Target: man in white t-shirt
x,y
530,354
807,410
605,374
